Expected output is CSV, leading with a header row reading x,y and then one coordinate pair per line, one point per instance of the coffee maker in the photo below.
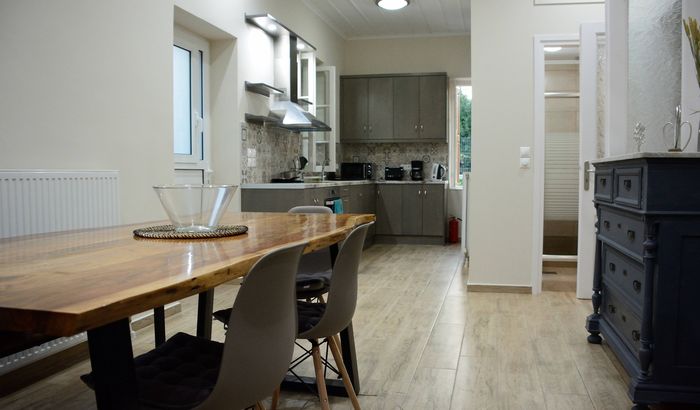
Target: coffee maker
x,y
416,170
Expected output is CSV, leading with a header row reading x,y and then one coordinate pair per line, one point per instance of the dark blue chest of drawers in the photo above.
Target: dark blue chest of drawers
x,y
646,286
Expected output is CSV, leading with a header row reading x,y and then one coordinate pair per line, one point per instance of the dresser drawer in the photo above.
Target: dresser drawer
x,y
624,273
604,185
624,230
622,318
628,187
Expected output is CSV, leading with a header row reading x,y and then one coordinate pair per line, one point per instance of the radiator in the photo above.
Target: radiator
x,y
40,201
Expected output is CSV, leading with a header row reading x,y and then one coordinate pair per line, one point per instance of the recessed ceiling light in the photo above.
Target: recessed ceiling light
x,y
552,49
392,4
301,46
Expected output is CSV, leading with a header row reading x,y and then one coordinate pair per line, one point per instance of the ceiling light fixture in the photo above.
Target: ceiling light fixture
x,y
552,49
301,46
272,27
392,4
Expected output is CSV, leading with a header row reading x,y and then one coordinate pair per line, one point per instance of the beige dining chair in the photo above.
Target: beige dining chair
x,y
191,372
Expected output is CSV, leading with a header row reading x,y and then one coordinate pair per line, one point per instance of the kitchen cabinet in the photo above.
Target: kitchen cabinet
x,y
367,109
423,210
389,209
272,200
420,108
394,108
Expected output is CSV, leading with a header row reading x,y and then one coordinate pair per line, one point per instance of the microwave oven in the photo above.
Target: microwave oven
x,y
356,170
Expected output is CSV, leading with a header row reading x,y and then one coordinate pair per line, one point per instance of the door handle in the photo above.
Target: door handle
x,y
588,169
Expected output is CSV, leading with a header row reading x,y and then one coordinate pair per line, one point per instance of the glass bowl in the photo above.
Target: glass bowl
x,y
195,208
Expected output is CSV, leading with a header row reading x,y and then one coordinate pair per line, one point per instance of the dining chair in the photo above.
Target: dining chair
x,y
315,268
326,320
191,372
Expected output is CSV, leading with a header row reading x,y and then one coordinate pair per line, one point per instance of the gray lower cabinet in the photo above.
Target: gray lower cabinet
x,y
389,210
423,210
272,200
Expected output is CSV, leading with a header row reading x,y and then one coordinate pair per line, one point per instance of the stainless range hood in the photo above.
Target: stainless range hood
x,y
285,112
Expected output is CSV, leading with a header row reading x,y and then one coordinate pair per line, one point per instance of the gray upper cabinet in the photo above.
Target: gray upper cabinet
x,y
433,108
367,106
406,109
354,103
400,107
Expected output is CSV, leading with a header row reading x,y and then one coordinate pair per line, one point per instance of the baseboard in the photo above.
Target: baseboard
x,y
499,289
409,240
145,319
33,372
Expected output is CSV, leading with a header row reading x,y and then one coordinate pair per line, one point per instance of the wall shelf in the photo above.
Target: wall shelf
x,y
262,89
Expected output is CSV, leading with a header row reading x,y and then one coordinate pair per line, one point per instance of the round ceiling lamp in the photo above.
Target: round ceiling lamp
x,y
552,49
392,4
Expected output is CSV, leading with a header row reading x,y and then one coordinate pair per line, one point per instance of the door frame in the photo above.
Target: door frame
x,y
539,42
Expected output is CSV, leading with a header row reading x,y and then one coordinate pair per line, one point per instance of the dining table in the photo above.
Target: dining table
x,y
63,283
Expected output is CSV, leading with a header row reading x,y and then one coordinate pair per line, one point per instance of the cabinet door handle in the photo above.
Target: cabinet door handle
x,y
603,181
606,224
370,128
635,335
612,309
628,184
421,127
612,267
624,272
624,318
415,128
419,192
630,235
637,286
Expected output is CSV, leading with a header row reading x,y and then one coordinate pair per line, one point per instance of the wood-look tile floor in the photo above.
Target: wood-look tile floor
x,y
423,342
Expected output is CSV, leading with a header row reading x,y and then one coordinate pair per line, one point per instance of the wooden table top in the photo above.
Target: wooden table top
x,y
63,283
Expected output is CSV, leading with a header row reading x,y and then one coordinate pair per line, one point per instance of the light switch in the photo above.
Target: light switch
x,y
524,163
525,152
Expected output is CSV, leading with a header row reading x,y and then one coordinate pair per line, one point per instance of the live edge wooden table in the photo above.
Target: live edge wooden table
x,y
60,284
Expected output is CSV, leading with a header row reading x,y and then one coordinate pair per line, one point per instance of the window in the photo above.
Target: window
x,y
323,155
461,142
190,104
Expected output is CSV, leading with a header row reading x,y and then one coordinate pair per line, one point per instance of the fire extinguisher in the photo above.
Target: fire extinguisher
x,y
453,226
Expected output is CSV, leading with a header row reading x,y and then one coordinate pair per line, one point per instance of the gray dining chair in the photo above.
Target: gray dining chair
x,y
191,372
315,268
326,320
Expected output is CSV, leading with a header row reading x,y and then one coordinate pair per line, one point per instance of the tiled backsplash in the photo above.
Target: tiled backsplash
x,y
266,152
393,155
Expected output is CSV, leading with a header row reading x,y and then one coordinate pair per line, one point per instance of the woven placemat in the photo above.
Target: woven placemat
x,y
169,232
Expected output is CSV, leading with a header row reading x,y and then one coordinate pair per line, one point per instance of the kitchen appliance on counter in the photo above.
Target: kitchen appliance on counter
x,y
438,172
416,170
393,173
356,170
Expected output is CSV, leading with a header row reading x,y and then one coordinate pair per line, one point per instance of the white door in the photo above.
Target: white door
x,y
590,36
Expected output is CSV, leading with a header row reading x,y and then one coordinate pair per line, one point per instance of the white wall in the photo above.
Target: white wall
x,y
409,55
500,205
88,85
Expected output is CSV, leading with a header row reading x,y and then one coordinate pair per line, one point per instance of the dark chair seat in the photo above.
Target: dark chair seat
x,y
179,374
308,314
313,284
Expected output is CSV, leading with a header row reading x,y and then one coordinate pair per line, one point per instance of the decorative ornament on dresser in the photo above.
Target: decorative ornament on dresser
x,y
675,129
693,33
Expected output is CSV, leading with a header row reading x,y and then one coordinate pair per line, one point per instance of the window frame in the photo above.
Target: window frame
x,y
198,47
453,129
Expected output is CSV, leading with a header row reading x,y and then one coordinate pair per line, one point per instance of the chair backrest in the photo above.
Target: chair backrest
x,y
320,260
342,296
311,209
262,329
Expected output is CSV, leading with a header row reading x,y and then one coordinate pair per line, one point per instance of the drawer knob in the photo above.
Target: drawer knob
x,y
624,318
612,267
612,309
603,181
606,224
628,184
635,335
637,286
624,272
630,235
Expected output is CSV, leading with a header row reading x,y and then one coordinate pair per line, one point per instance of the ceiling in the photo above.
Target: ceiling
x,y
355,19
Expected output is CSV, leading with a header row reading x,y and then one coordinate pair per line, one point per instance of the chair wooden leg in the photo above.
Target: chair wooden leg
x,y
320,380
335,349
259,406
275,398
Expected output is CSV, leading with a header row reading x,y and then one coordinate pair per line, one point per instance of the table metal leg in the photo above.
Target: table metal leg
x,y
347,347
159,325
205,309
112,362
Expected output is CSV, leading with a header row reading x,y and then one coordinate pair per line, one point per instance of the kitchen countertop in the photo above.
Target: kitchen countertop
x,y
297,185
638,155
